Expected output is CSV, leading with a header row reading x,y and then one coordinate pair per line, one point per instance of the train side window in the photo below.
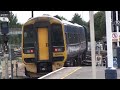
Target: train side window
x,y
74,41
85,33
81,36
57,35
66,35
68,38
72,38
76,38
25,34
78,34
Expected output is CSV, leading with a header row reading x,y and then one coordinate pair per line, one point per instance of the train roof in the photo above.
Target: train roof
x,y
69,23
61,21
44,15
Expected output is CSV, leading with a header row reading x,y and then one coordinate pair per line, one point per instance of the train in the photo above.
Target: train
x,y
49,43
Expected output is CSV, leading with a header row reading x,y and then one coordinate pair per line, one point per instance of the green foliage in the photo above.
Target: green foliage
x,y
60,17
88,28
15,39
14,21
99,23
77,19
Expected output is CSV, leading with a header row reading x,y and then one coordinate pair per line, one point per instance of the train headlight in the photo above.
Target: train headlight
x,y
28,51
31,51
58,49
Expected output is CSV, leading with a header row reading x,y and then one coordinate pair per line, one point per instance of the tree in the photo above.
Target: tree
x,y
60,17
99,23
88,30
14,24
14,21
77,19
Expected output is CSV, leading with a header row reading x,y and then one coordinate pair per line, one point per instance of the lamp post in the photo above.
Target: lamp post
x,y
32,14
92,37
110,72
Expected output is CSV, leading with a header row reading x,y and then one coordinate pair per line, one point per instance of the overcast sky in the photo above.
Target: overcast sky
x,y
23,16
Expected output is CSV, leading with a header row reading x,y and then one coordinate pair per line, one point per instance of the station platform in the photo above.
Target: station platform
x,y
78,73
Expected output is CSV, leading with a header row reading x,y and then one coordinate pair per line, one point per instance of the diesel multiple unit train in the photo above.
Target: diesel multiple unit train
x,y
49,44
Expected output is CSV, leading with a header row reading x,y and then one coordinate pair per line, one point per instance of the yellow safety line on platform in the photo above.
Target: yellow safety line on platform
x,y
71,72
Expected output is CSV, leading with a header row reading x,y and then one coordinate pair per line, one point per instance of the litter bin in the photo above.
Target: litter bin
x,y
106,62
110,73
115,65
118,57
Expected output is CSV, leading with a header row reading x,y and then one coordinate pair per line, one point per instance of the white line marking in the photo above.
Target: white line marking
x,y
71,72
51,73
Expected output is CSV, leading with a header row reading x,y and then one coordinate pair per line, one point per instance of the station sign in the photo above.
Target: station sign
x,y
115,36
4,13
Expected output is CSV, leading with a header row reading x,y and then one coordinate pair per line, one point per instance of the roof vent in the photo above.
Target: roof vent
x,y
46,15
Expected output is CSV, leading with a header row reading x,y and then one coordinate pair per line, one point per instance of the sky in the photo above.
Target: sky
x,y
23,16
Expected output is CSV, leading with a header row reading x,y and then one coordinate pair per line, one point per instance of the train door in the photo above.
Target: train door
x,y
43,44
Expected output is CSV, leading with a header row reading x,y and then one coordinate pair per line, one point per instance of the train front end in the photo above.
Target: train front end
x,y
43,43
